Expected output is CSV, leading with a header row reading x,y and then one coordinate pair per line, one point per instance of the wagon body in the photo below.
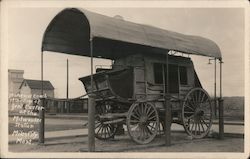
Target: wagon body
x,y
107,84
138,78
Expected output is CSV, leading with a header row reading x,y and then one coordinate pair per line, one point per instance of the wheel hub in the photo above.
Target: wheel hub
x,y
143,119
199,112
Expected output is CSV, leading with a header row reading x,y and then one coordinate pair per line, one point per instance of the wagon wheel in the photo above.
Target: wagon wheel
x,y
142,122
104,128
197,113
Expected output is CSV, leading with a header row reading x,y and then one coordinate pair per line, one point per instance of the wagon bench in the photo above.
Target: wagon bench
x,y
147,66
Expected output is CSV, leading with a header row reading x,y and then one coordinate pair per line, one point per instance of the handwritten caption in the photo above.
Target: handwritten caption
x,y
26,118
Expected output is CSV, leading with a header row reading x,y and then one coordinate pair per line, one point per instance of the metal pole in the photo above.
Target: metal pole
x,y
42,71
221,107
215,100
67,89
42,111
167,107
67,92
91,108
41,124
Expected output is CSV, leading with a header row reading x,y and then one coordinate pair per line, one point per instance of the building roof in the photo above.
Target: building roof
x,y
15,71
37,84
70,32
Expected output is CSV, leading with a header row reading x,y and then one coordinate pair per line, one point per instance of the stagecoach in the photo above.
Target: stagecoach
x,y
148,64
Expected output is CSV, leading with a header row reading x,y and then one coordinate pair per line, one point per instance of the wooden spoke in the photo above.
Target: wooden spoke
x,y
194,100
191,100
134,116
100,128
190,104
144,106
195,96
136,112
149,115
152,117
108,129
98,125
190,117
189,107
148,110
199,127
189,112
134,121
144,133
207,124
196,112
202,126
149,131
204,95
192,127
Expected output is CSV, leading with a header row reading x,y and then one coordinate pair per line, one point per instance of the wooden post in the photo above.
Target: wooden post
x,y
221,118
167,107
41,124
91,123
41,112
67,88
91,108
221,107
42,72
215,98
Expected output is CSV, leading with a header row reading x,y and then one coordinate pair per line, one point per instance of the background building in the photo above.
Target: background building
x,y
30,87
17,84
15,78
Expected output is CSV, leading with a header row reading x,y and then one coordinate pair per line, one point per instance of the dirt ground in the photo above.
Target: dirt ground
x,y
180,143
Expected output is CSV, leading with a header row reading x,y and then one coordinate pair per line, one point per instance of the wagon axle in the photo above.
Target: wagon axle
x,y
199,113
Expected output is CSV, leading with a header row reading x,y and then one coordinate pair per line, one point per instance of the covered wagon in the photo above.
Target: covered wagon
x,y
147,65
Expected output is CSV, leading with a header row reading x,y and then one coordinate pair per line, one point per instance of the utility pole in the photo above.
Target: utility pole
x,y
67,89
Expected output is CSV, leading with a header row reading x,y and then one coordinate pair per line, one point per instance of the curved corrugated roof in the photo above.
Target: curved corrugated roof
x,y
70,31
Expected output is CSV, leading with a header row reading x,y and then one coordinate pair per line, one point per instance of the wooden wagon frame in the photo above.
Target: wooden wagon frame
x,y
147,57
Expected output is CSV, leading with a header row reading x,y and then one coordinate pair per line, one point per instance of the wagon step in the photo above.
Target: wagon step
x,y
114,121
113,115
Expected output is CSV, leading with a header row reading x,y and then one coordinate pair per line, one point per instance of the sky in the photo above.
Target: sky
x,y
225,26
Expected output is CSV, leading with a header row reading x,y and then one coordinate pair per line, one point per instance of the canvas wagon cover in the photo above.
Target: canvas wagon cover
x,y
71,30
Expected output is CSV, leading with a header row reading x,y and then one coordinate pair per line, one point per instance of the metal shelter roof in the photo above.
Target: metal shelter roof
x,y
71,29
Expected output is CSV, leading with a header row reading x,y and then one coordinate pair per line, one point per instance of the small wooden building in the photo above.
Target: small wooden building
x,y
31,87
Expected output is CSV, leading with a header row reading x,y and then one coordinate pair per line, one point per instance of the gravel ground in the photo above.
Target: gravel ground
x,y
180,143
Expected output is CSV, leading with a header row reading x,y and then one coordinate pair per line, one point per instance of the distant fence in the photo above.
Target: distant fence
x,y
54,105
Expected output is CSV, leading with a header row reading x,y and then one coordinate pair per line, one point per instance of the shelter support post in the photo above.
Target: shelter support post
x,y
221,107
215,96
91,123
42,111
167,107
41,124
67,88
91,108
42,72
